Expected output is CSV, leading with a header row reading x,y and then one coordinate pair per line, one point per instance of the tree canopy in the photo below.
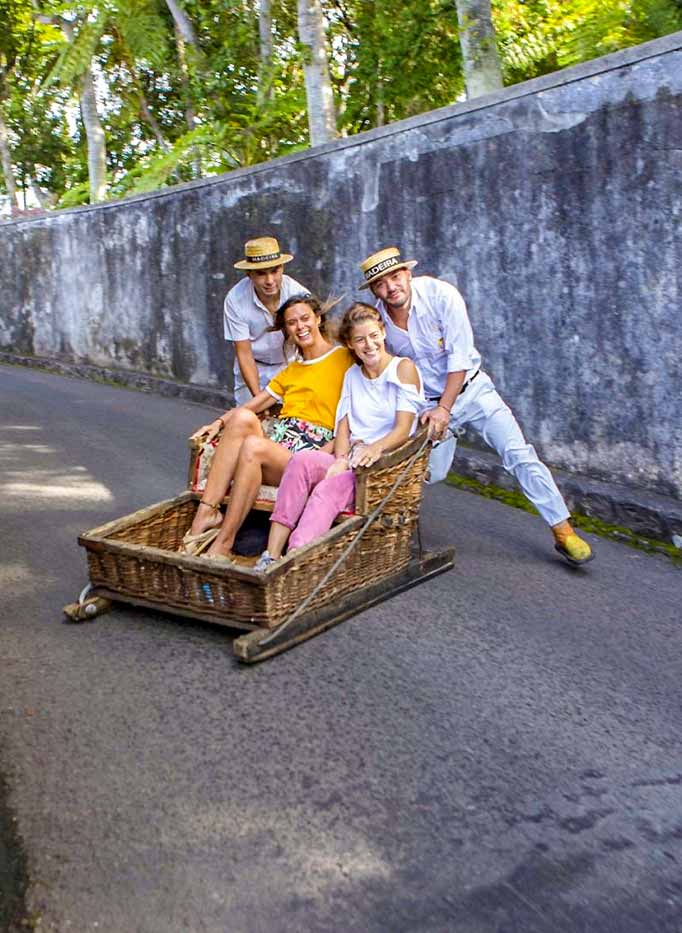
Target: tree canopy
x,y
165,91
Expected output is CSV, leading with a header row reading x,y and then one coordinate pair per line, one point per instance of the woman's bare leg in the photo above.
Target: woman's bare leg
x,y
277,539
241,425
260,460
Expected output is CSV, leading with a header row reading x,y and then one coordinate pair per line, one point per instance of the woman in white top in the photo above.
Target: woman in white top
x,y
380,401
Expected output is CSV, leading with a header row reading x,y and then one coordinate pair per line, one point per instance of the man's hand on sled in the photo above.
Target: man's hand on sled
x,y
437,420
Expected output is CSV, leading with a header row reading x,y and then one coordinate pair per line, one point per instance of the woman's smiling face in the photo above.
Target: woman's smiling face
x,y
367,340
301,325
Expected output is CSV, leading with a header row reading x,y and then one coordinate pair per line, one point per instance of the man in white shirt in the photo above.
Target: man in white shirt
x,y
426,319
249,313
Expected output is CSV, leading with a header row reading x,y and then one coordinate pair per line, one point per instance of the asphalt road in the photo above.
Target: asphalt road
x,y
497,750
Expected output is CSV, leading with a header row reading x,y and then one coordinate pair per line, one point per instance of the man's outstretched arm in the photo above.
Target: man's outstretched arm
x,y
247,365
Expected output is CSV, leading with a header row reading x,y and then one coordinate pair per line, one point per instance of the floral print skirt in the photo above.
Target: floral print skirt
x,y
295,434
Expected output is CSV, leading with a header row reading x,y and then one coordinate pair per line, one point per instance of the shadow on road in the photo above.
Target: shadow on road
x,y
12,868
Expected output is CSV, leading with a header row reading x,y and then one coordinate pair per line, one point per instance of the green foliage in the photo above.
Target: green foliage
x,y
220,146
398,59
527,36
172,113
40,142
75,196
142,29
594,28
12,35
75,57
538,36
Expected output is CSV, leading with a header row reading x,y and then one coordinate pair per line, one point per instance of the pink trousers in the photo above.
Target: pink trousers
x,y
306,501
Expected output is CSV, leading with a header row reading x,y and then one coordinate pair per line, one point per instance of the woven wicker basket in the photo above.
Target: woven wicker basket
x,y
135,558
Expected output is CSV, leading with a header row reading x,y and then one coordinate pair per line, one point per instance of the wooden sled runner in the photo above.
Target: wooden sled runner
x,y
364,559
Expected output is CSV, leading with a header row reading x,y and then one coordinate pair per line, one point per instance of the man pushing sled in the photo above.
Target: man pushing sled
x,y
426,320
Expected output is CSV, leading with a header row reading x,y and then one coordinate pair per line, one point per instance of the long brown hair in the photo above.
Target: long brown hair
x,y
358,313
317,306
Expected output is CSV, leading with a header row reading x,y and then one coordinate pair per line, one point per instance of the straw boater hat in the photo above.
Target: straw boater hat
x,y
262,253
386,260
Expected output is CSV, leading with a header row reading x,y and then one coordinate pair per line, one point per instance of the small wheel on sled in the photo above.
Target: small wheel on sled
x,y
87,608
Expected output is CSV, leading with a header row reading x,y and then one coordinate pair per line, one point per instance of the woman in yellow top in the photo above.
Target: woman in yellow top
x,y
309,389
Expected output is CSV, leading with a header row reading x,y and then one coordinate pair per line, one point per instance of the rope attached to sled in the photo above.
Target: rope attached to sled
x,y
271,636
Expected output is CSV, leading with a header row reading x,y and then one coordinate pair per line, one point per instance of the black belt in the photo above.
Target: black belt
x,y
465,386
468,382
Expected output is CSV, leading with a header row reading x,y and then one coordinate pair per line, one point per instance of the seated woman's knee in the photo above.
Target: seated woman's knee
x,y
255,447
242,419
333,486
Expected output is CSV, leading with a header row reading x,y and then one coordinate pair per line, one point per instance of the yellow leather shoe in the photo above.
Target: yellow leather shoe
x,y
574,549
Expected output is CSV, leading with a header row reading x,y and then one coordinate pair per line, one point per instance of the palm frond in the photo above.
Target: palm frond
x,y
522,52
143,30
596,28
207,143
75,57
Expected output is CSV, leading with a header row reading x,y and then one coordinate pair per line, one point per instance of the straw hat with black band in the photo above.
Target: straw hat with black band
x,y
385,261
262,253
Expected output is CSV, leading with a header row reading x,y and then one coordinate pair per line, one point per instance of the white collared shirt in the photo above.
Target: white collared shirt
x,y
438,338
245,317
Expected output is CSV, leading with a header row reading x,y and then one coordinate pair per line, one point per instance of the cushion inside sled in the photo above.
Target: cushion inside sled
x,y
252,537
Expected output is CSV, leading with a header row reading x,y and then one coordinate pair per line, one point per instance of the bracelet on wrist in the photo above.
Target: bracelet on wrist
x,y
444,408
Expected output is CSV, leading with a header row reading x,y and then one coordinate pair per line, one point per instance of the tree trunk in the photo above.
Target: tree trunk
x,y
380,112
190,117
482,73
318,87
182,23
265,35
94,133
7,169
97,149
185,35
151,121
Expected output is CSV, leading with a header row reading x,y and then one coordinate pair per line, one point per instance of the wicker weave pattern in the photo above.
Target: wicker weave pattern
x,y
407,497
380,553
213,589
163,529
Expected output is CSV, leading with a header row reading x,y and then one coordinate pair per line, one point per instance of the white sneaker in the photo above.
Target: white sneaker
x,y
264,561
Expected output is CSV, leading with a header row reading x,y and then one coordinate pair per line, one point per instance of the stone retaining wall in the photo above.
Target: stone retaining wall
x,y
554,205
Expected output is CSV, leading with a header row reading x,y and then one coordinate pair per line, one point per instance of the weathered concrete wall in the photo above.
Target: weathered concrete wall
x,y
554,205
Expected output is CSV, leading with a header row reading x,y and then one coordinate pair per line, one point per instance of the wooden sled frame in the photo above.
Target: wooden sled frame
x,y
108,543
99,601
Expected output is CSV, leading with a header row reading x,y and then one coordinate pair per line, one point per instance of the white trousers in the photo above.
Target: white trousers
x,y
482,408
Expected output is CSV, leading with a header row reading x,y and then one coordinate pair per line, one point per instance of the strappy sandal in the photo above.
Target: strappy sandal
x,y
213,506
194,545
197,543
222,557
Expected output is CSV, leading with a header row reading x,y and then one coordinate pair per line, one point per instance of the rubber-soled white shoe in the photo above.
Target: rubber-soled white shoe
x,y
264,561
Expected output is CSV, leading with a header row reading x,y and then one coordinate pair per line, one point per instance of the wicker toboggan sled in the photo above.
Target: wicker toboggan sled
x,y
364,559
